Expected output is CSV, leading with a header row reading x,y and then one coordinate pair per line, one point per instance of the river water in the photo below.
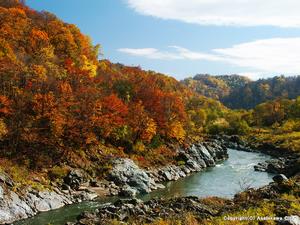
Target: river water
x,y
225,180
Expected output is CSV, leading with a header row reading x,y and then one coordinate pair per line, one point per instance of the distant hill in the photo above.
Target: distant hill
x,y
240,92
216,87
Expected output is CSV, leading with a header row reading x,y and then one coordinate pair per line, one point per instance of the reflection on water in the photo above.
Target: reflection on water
x,y
224,180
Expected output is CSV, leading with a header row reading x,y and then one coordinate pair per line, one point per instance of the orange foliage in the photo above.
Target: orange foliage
x,y
109,114
4,106
143,127
56,98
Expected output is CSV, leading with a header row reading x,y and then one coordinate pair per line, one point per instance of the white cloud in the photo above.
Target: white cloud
x,y
151,53
177,53
188,54
275,55
281,13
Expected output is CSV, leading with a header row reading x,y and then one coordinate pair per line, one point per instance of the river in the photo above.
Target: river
x,y
224,180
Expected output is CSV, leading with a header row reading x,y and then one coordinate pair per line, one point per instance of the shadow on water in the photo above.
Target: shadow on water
x,y
224,180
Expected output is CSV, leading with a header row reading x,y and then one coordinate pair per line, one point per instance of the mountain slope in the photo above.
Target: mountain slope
x,y
216,87
239,92
59,104
263,90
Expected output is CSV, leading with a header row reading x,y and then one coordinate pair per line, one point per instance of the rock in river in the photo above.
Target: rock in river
x,y
280,178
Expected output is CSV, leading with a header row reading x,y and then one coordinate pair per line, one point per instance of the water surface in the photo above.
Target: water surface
x,y
226,179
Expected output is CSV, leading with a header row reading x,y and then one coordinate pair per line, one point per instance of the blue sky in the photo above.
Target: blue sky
x,y
222,37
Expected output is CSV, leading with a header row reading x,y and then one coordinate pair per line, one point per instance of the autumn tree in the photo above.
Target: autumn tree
x,y
142,126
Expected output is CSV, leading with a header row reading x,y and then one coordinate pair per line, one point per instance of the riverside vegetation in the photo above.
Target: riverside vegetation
x,y
63,109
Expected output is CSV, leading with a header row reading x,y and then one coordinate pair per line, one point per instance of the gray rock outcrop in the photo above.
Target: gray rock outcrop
x,y
126,173
288,166
134,180
280,178
17,205
148,211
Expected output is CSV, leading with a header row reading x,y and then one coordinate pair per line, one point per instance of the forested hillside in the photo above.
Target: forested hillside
x,y
263,90
239,92
58,103
217,87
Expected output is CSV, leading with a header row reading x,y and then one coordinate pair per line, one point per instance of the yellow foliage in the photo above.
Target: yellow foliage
x,y
150,130
46,53
88,66
40,72
176,131
139,147
3,129
6,51
57,172
221,122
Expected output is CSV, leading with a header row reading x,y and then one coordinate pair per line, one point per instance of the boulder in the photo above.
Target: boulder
x,y
202,155
43,201
186,170
75,178
280,178
194,166
126,172
5,179
13,208
206,155
276,165
282,165
127,191
86,195
1,193
261,167
166,174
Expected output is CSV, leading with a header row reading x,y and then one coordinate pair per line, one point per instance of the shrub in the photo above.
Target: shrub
x,y
240,127
156,142
288,126
218,126
139,147
181,163
57,172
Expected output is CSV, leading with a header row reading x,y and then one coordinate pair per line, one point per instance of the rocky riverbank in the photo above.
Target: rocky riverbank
x,y
251,144
205,211
19,203
132,180
145,212
282,165
124,179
